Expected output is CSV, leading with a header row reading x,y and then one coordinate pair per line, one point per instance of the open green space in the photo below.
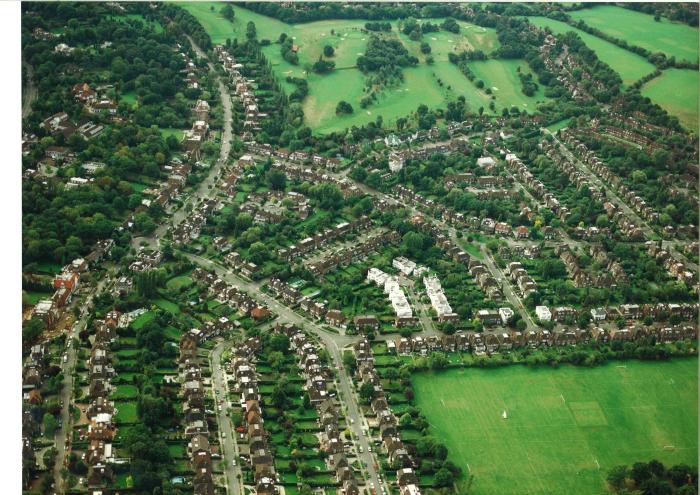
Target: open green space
x,y
676,91
636,28
630,66
157,27
433,85
33,297
566,427
168,306
502,77
176,283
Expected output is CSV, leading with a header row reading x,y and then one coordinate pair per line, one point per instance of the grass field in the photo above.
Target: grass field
x,y
630,66
566,427
168,306
176,283
676,91
433,85
141,320
636,28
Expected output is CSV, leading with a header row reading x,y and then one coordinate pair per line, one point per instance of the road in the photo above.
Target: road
x,y
229,445
30,93
68,385
508,291
206,189
333,343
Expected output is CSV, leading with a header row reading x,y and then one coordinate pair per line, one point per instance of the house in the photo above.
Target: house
x,y
598,314
488,317
336,318
366,322
543,313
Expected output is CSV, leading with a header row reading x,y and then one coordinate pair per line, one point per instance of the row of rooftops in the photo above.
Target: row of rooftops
x,y
396,450
224,292
196,429
260,454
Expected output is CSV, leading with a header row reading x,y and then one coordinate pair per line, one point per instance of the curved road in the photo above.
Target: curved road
x,y
206,189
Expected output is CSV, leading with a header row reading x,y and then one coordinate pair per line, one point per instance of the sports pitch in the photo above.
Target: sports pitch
x,y
566,427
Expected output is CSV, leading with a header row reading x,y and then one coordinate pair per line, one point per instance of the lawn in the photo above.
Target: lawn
x,y
636,28
141,320
433,85
32,297
502,77
630,66
676,91
566,427
125,392
176,283
168,306
169,131
126,412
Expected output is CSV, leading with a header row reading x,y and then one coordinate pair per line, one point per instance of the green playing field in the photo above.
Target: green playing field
x,y
566,427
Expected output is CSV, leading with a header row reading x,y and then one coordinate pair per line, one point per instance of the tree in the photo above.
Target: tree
x,y
343,107
50,425
443,478
276,179
350,362
640,473
251,32
279,342
367,391
328,51
227,12
617,476
31,331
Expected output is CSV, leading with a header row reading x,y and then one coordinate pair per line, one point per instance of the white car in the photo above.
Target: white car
x,y
369,448
233,463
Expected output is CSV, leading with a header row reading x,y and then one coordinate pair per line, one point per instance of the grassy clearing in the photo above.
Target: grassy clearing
x,y
129,97
157,27
176,283
630,66
502,77
32,297
567,427
169,131
676,91
636,28
433,85
558,125
168,306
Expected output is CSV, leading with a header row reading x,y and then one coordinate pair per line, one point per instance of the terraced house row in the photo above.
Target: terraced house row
x,y
385,420
193,409
254,446
319,386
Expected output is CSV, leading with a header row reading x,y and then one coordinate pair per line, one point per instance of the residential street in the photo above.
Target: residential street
x,y
331,341
229,445
68,385
508,291
206,189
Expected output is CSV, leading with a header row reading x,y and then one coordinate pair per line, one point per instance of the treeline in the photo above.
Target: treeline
x,y
653,478
187,23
